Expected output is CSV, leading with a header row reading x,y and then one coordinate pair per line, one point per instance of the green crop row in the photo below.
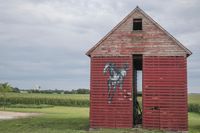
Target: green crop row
x,y
51,96
48,101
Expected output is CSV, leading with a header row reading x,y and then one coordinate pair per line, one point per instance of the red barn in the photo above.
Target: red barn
x,y
138,43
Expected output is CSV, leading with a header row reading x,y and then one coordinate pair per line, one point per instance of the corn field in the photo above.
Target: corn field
x,y
76,100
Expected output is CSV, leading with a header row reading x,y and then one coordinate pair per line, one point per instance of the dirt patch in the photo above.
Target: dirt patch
x,y
5,115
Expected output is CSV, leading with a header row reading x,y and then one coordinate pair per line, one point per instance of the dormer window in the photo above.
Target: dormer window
x,y
137,24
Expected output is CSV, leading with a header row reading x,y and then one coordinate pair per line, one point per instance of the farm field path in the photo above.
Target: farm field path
x,y
4,115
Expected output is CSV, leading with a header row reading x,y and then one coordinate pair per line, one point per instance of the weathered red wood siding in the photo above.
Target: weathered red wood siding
x,y
151,41
165,92
118,114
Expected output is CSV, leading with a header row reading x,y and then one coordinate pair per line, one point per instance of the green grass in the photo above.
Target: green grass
x,y
52,120
194,118
194,123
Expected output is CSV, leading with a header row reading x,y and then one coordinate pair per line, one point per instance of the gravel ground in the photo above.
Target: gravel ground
x,y
4,115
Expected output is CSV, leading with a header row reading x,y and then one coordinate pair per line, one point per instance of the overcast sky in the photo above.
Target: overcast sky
x,y
43,42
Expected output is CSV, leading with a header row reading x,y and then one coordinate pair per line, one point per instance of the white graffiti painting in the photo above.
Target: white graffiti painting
x,y
116,78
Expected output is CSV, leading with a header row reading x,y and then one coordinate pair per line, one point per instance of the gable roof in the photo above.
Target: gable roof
x,y
188,52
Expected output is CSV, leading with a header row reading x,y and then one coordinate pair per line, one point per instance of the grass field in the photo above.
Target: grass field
x,y
61,119
53,120
194,123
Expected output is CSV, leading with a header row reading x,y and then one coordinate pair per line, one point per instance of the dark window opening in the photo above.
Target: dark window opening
x,y
137,24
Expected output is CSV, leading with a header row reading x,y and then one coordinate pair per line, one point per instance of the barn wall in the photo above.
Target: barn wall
x,y
117,114
165,93
151,41
164,77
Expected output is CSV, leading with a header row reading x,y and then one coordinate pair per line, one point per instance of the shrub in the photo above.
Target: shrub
x,y
194,108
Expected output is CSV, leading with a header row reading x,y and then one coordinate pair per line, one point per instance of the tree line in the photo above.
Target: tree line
x,y
6,87
57,91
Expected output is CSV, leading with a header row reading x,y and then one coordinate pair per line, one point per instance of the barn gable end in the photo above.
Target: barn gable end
x,y
138,44
151,40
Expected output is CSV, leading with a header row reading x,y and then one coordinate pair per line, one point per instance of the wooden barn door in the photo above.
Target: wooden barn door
x,y
165,93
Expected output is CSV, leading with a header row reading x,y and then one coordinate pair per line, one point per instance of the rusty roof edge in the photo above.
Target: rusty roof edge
x,y
146,15
166,32
109,33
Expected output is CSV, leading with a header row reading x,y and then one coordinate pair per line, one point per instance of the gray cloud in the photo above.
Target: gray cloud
x,y
44,42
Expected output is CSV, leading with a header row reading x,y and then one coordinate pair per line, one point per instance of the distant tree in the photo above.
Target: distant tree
x,y
4,88
67,92
57,91
83,91
74,91
15,89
